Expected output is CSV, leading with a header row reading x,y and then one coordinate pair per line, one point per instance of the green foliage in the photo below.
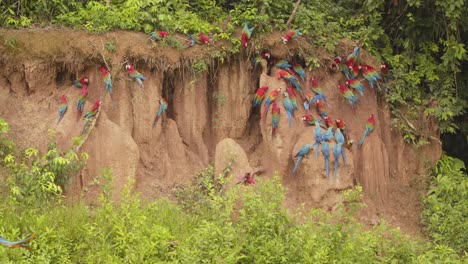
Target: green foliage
x,y
446,205
6,145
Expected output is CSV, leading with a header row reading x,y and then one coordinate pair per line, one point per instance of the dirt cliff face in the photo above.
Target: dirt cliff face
x,y
205,108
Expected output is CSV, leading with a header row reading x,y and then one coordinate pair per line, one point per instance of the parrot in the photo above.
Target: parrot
x,y
317,136
354,55
135,75
385,72
62,108
292,80
370,125
299,70
292,96
248,178
289,107
349,96
271,61
158,36
340,139
92,113
326,156
371,75
342,126
17,244
328,135
353,70
82,99
106,76
79,83
283,64
317,98
291,34
337,150
271,98
300,155
275,116
310,120
202,38
162,107
315,87
259,95
342,67
190,41
246,34
356,85
321,109
329,122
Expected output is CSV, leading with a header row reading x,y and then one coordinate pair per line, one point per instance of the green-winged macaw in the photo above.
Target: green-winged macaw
x,y
259,96
275,116
371,75
287,76
299,70
291,34
106,77
321,110
62,108
79,83
349,96
136,75
310,120
292,96
159,35
301,154
271,98
92,113
246,34
370,125
356,85
342,67
315,87
162,108
82,99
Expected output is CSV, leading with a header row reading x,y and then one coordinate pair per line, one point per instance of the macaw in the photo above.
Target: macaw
x,y
353,70
300,155
299,70
342,66
385,72
291,34
337,150
315,87
92,113
370,125
356,85
79,83
326,156
136,75
62,108
271,61
283,64
371,75
318,137
259,95
82,99
158,36
246,34
202,38
328,135
310,120
17,244
271,98
248,178
162,107
317,98
340,139
190,41
354,55
292,96
288,106
321,109
106,76
329,122
291,79
349,96
342,126
275,116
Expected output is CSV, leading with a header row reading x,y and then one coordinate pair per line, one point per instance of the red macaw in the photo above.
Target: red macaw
x,y
62,108
94,110
275,116
202,38
136,75
370,125
354,55
339,63
321,109
246,34
356,85
371,75
106,77
329,123
291,79
353,70
158,36
17,244
162,107
79,83
385,72
342,126
292,96
290,34
349,96
299,70
259,95
310,120
301,154
248,178
315,87
271,98
82,99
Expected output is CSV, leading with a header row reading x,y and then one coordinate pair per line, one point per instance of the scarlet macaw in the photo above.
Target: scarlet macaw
x,y
259,95
82,99
136,75
275,116
92,113
158,36
349,96
246,34
370,125
291,34
79,83
271,98
162,107
299,70
106,77
356,85
62,108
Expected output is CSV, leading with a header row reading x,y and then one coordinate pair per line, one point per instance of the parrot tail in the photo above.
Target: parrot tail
x,y
297,164
343,155
290,118
141,83
363,138
327,166
316,144
155,123
335,167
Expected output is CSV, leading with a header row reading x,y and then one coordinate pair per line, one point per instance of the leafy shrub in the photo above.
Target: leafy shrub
x,y
445,211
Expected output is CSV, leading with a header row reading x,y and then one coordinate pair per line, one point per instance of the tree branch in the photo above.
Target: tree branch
x,y
293,14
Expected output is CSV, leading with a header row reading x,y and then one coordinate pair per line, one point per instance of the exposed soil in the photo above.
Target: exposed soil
x,y
205,107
